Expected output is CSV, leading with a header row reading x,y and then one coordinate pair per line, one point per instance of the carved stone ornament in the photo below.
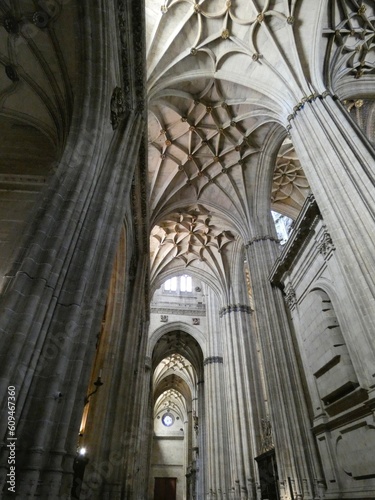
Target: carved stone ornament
x,y
267,441
163,318
290,297
261,238
195,420
117,107
11,25
40,19
196,321
326,245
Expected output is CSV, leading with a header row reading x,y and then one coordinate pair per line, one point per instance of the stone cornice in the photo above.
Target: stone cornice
x,y
24,182
234,308
178,311
305,221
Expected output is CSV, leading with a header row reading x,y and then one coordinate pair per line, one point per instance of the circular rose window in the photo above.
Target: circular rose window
x,y
167,419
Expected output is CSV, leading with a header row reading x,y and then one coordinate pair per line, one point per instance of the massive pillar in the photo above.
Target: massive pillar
x,y
116,426
54,301
242,383
295,453
215,407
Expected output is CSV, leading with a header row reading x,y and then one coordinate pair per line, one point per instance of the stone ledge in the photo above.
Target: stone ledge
x,y
306,220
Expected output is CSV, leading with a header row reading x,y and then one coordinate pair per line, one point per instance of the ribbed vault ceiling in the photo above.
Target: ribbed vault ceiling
x,y
211,111
39,45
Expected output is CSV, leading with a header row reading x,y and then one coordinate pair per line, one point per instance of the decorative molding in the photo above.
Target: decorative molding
x,y
17,179
117,107
234,308
163,318
213,359
305,222
178,310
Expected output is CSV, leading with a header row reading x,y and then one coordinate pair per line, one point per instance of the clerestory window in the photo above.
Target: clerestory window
x,y
179,284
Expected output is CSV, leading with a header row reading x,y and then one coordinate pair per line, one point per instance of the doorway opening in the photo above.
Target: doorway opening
x,y
178,398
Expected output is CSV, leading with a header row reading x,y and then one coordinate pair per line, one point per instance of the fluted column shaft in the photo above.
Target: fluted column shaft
x,y
52,307
215,407
54,322
295,450
114,440
242,401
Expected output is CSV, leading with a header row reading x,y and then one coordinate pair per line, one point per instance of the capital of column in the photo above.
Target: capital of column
x,y
213,359
300,105
261,238
234,308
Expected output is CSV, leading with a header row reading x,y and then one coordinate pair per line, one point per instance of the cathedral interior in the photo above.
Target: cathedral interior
x,y
187,205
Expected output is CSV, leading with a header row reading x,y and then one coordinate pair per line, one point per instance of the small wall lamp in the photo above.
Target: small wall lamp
x,y
97,384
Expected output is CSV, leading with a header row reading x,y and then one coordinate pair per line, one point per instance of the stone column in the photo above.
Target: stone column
x,y
241,399
215,426
338,162
118,428
53,308
295,451
145,431
242,382
125,393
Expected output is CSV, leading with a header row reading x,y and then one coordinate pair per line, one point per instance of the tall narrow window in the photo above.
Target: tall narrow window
x,y
283,226
171,284
179,284
186,284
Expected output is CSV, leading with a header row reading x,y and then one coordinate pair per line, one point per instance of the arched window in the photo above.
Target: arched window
x,y
185,283
179,284
171,285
